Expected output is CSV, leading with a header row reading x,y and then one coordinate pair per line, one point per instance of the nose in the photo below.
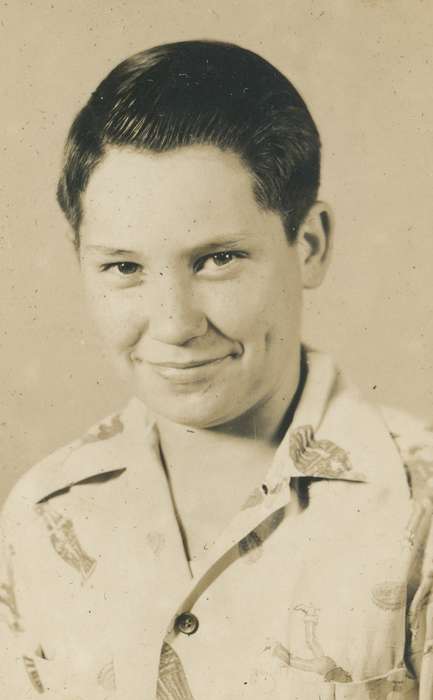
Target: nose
x,y
175,315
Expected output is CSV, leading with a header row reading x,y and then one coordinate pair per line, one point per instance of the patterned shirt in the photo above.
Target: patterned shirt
x,y
320,588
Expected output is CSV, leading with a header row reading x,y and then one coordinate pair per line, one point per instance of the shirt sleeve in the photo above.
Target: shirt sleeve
x,y
39,654
421,626
414,440
19,675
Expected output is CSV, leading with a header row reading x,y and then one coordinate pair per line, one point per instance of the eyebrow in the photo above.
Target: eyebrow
x,y
201,249
215,246
112,252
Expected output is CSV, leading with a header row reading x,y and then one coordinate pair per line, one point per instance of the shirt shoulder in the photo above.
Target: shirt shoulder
x,y
413,438
97,455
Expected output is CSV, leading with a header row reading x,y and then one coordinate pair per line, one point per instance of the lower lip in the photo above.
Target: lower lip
x,y
191,375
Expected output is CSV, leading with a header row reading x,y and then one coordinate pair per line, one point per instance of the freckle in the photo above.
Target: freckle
x,y
156,541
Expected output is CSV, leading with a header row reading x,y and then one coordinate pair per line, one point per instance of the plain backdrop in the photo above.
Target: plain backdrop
x,y
365,70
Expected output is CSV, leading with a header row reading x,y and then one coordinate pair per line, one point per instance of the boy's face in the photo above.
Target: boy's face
x,y
195,289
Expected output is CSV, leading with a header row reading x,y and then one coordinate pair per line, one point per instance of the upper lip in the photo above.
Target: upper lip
x,y
188,365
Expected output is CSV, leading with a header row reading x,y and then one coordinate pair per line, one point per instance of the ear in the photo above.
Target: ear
x,y
314,244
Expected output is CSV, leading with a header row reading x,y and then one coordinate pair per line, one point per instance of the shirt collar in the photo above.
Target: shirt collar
x,y
334,435
306,451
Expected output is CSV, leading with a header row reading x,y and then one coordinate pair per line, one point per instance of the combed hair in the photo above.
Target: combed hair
x,y
200,92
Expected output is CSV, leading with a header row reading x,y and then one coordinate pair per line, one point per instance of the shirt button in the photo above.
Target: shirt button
x,y
186,622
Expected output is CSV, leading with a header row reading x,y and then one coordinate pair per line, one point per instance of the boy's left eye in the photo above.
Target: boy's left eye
x,y
224,258
220,259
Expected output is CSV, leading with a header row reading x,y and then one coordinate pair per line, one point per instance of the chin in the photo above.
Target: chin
x,y
199,412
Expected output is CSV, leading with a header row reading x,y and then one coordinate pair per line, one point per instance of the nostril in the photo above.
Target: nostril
x,y
133,357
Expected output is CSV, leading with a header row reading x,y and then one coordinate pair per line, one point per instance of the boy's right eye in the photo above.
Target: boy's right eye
x,y
125,268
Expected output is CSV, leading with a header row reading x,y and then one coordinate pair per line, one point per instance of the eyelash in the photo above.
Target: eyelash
x,y
110,266
219,256
224,256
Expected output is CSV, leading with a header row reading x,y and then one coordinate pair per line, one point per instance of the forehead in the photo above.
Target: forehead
x,y
197,185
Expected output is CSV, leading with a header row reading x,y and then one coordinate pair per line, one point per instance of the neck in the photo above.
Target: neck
x,y
212,471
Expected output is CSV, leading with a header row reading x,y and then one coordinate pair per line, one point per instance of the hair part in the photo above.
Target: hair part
x,y
200,92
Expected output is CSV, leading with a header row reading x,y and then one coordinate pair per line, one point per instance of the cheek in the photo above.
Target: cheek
x,y
234,310
113,317
263,312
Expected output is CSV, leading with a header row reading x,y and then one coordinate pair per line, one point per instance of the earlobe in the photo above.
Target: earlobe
x,y
314,244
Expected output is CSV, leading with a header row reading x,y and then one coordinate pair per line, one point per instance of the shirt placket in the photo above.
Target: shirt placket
x,y
206,570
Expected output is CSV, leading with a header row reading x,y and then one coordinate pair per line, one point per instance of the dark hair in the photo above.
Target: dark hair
x,y
200,92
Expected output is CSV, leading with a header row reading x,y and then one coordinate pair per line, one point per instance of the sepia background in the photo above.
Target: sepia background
x,y
365,70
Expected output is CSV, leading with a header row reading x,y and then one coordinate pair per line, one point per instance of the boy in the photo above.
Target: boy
x,y
245,527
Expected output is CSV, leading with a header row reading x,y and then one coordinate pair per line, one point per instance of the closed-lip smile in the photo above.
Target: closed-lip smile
x,y
187,365
192,372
